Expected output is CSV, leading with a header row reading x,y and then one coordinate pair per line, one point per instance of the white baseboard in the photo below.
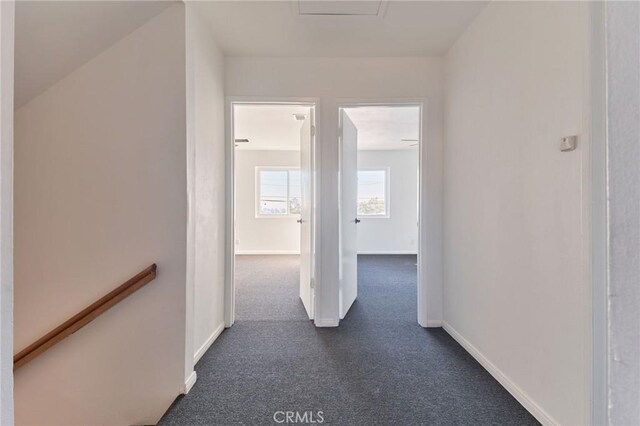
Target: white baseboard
x,y
434,324
261,252
207,344
326,323
511,387
387,252
188,384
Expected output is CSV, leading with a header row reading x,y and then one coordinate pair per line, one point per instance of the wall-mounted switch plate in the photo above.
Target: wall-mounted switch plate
x,y
568,143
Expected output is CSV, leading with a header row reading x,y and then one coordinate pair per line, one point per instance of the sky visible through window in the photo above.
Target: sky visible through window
x,y
280,192
372,192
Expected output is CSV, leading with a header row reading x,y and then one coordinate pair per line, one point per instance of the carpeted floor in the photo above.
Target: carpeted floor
x,y
378,368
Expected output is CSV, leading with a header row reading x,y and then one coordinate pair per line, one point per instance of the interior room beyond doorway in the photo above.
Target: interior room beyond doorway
x,y
272,193
379,192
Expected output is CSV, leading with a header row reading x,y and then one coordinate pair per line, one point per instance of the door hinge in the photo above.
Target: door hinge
x,y
313,130
313,283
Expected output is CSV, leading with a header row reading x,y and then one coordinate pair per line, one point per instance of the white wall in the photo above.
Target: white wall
x,y
100,178
398,233
623,151
515,290
206,189
332,79
7,11
256,235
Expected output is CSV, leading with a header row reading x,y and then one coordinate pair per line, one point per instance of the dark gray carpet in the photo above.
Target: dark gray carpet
x,y
378,368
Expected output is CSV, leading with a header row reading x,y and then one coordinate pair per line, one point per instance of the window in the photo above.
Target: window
x,y
278,192
373,193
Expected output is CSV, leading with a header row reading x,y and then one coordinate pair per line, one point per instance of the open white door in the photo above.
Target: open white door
x,y
306,290
348,215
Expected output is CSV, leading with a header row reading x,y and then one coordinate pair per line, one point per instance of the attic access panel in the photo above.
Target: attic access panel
x,y
341,8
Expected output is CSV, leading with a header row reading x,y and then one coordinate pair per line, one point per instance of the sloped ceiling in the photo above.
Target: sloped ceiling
x,y
53,38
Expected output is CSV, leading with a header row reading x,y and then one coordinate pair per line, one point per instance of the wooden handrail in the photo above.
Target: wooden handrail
x,y
84,317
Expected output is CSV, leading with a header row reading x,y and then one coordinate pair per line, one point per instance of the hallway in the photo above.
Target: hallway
x,y
378,367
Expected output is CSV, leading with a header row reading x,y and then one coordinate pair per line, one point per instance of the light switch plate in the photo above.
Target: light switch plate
x,y
568,143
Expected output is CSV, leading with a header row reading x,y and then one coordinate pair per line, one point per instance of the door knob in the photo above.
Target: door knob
x,y
357,220
299,220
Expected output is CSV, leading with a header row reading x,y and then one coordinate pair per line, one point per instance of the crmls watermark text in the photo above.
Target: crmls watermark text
x,y
308,417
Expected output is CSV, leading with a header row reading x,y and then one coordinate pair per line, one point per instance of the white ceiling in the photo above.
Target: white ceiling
x,y
341,7
268,127
386,128
276,28
274,128
53,38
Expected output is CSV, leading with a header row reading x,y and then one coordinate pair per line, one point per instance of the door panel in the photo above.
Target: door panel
x,y
348,215
306,291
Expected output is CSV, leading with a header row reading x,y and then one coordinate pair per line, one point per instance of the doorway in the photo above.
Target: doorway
x,y
270,236
380,147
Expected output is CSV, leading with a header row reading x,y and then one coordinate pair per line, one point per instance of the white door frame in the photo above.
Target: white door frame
x,y
595,218
422,283
229,282
7,24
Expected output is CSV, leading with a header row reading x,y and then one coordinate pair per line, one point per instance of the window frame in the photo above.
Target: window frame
x,y
257,194
387,193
